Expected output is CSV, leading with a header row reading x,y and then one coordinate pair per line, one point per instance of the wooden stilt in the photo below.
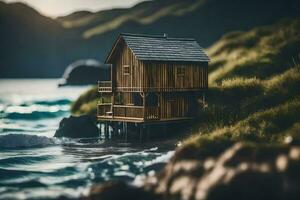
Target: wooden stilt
x,y
165,130
106,131
109,131
113,130
126,131
99,130
141,133
146,128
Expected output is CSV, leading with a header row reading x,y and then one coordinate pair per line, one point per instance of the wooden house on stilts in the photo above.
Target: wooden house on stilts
x,y
154,79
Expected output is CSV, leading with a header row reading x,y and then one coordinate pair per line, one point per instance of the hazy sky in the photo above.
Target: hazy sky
x,y
56,8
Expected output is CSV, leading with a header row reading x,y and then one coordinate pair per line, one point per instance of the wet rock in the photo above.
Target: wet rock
x,y
77,127
243,171
117,191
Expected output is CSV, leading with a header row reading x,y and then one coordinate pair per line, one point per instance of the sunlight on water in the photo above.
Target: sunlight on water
x,y
34,165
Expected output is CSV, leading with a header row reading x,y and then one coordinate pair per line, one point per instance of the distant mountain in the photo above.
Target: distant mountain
x,y
33,45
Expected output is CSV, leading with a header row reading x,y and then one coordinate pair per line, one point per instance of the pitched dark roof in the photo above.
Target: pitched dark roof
x,y
163,48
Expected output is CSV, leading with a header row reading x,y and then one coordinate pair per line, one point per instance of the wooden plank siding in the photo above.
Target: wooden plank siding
x,y
175,106
164,77
125,57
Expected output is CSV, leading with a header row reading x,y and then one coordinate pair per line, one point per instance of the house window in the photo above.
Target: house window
x,y
180,71
126,69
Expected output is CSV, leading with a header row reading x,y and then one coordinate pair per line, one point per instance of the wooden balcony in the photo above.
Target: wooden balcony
x,y
104,109
104,86
127,112
156,89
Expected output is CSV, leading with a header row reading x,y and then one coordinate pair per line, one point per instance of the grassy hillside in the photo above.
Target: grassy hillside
x,y
249,109
261,52
254,96
36,46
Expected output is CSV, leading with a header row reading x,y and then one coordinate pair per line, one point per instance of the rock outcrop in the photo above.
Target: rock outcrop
x,y
243,171
117,191
85,72
77,127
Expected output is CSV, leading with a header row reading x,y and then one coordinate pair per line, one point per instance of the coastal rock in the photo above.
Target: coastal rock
x,y
85,72
241,172
117,191
77,127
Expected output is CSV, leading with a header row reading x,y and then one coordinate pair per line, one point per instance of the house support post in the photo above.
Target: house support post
x,y
146,128
165,130
126,131
114,129
141,133
99,128
106,130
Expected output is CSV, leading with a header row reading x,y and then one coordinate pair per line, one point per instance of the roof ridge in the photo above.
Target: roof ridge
x,y
157,36
143,35
182,39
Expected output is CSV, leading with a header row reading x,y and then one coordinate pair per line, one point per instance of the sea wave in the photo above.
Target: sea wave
x,y
12,173
34,115
26,141
8,161
15,140
49,102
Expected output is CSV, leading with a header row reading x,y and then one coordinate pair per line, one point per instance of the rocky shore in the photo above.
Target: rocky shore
x,y
243,171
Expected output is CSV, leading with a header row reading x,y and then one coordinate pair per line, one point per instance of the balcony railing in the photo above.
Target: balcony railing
x,y
152,113
128,112
104,86
104,109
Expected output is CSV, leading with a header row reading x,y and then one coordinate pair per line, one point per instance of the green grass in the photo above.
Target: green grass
x,y
271,126
235,99
254,91
87,102
261,52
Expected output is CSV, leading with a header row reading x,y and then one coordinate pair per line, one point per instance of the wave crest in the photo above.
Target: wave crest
x,y
34,115
25,141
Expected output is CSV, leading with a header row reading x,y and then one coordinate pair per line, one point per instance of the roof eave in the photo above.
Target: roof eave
x,y
107,60
178,61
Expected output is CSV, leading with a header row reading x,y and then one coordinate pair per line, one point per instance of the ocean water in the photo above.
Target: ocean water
x,y
35,165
